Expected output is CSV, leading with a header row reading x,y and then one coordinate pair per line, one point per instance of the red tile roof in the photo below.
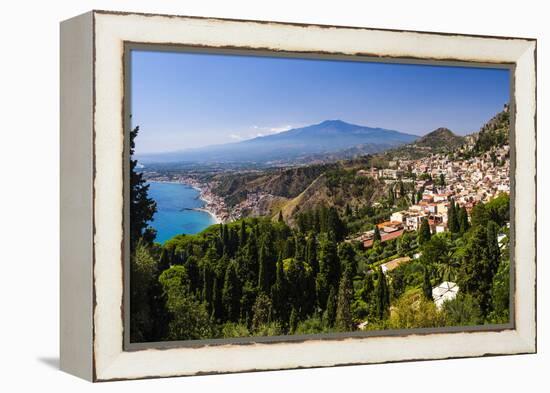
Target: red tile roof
x,y
385,237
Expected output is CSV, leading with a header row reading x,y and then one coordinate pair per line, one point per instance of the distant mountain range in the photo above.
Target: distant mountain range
x,y
334,138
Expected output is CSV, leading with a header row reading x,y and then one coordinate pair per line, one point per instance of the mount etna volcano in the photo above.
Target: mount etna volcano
x,y
324,139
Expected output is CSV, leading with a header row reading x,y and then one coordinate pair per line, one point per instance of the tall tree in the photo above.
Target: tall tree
x,y
331,307
464,224
377,236
344,321
251,258
264,274
329,269
242,233
476,272
142,272
279,293
142,208
427,285
335,225
452,218
231,292
311,253
293,323
348,211
382,296
480,216
190,319
346,254
424,232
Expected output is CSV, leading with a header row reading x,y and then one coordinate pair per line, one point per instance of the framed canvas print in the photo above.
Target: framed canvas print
x,y
246,195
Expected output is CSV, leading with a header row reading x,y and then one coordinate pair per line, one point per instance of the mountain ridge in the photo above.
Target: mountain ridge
x,y
326,137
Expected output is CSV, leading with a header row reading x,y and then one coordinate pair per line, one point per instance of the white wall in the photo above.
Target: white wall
x,y
29,194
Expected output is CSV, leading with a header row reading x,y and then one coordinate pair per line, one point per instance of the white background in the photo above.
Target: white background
x,y
29,197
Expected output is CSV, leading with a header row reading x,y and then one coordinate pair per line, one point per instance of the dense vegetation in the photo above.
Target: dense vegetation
x,y
258,276
494,133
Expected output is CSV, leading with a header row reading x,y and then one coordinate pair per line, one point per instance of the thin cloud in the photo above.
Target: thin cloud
x,y
259,132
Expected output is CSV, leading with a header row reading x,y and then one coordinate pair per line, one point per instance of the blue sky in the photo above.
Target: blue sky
x,y
184,100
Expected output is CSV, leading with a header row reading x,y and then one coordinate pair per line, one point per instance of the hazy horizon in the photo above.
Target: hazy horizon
x,y
184,101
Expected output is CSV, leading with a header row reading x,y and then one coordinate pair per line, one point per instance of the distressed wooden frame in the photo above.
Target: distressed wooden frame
x,y
92,197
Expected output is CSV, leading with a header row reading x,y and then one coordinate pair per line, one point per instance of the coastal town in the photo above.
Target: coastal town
x,y
438,180
213,204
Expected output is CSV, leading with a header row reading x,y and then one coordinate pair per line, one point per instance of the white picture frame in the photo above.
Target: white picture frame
x,y
92,194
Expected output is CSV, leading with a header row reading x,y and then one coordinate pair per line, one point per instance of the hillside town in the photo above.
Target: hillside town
x,y
439,179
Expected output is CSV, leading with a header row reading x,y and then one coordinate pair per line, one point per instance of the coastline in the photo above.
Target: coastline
x,y
210,207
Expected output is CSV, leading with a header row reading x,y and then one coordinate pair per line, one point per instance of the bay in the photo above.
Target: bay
x,y
173,216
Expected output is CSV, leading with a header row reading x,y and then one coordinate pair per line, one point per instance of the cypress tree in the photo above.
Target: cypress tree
x,y
424,232
377,236
231,293
480,216
289,249
464,224
348,210
346,254
335,224
299,247
344,321
329,269
391,197
242,234
419,195
217,306
207,287
251,258
450,217
264,277
280,217
311,254
476,272
455,219
382,297
367,295
293,324
279,293
331,307
427,285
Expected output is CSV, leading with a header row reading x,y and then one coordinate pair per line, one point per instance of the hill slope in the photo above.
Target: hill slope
x,y
442,138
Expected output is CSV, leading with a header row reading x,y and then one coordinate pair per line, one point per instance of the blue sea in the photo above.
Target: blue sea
x,y
173,217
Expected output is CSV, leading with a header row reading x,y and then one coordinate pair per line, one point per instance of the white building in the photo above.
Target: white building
x,y
444,292
398,216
